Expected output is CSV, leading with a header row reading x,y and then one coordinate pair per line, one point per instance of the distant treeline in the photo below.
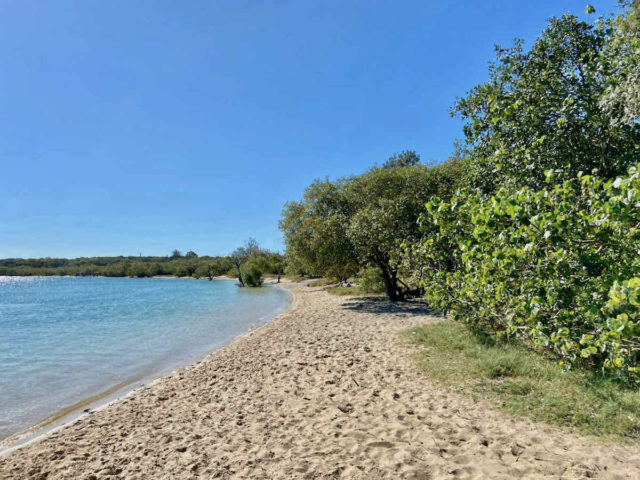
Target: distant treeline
x,y
188,265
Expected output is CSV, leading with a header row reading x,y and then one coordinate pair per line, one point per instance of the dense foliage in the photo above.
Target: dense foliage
x,y
542,243
339,228
541,109
252,273
250,262
621,100
532,230
315,232
558,267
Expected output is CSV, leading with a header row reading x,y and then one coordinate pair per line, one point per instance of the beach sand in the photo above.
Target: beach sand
x,y
326,390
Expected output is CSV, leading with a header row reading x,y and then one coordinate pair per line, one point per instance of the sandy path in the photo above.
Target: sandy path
x,y
325,391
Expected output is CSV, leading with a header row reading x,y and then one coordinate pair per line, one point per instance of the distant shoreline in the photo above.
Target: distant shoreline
x,y
217,277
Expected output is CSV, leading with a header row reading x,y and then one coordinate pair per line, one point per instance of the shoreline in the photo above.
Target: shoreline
x,y
89,405
218,277
328,389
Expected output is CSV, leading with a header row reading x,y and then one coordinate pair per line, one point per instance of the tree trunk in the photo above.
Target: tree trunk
x,y
390,283
278,279
239,275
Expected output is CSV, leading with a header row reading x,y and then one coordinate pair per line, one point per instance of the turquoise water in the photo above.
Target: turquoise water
x,y
64,339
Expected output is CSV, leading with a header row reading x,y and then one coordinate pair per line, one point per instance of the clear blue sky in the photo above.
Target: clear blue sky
x,y
144,126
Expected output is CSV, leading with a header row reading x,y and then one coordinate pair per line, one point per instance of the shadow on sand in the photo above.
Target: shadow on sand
x,y
383,305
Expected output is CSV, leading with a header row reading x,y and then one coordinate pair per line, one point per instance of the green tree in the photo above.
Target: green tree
x,y
252,271
219,266
137,269
622,97
406,158
203,271
191,254
276,263
343,226
385,205
557,267
540,110
241,254
315,231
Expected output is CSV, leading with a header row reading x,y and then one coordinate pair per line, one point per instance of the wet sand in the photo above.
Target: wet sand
x,y
326,390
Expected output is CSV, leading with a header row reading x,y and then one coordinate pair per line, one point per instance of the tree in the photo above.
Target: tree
x,y
386,205
275,264
315,232
176,254
406,158
242,254
622,97
191,254
252,272
219,266
540,110
340,227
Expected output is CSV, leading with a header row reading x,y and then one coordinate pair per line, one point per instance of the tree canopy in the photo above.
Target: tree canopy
x,y
339,227
406,158
541,109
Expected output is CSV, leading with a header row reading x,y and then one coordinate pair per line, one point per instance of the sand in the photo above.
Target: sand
x,y
326,390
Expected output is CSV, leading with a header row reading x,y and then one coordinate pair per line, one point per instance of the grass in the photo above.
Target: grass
x,y
322,282
526,383
294,278
353,290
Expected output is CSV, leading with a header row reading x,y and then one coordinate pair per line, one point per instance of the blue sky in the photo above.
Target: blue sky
x,y
142,126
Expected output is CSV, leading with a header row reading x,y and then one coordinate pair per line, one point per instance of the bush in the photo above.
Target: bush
x,y
201,272
251,274
322,282
556,267
351,291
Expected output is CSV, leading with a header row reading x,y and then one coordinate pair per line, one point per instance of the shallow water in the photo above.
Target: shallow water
x,y
64,339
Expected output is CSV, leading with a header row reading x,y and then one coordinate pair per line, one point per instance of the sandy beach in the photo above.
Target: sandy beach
x,y
326,390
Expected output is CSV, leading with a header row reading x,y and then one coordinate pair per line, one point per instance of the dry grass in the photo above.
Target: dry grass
x,y
322,282
353,290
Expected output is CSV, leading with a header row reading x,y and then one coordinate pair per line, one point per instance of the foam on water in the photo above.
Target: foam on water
x,y
64,339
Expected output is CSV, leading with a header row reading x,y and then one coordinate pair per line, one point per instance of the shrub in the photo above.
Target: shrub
x,y
322,282
556,267
351,291
251,274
